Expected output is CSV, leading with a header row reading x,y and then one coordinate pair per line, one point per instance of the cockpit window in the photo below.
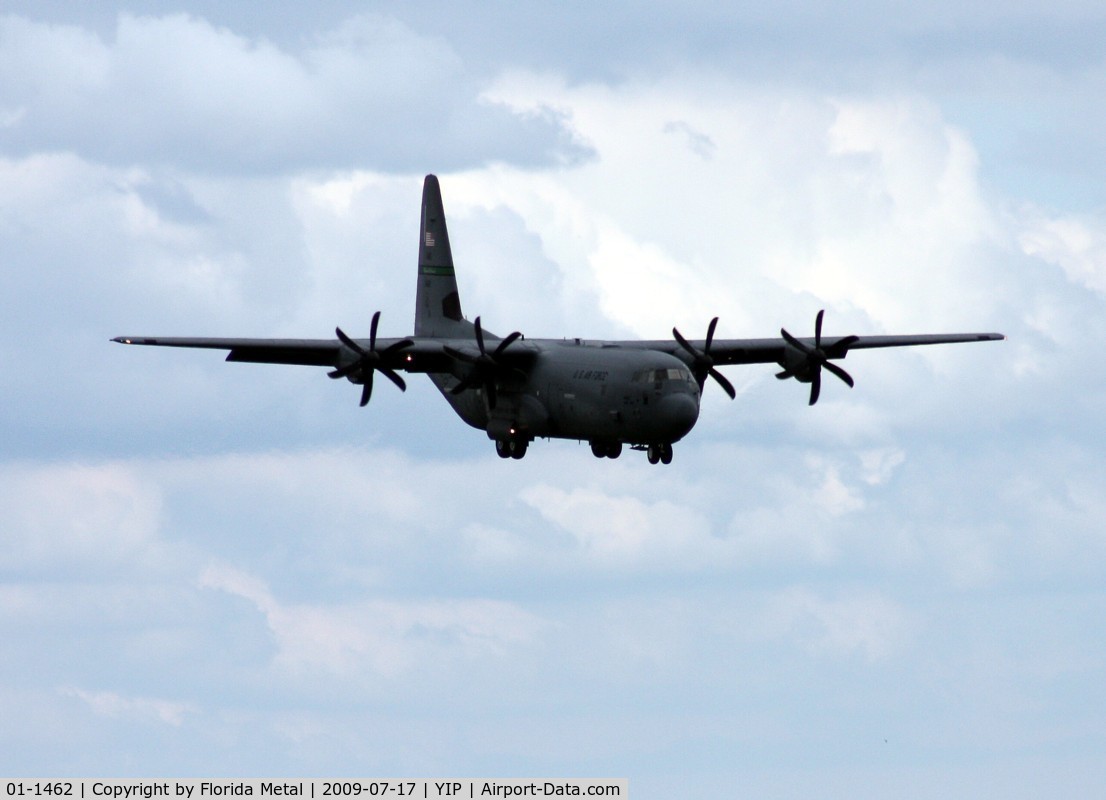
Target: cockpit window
x,y
659,375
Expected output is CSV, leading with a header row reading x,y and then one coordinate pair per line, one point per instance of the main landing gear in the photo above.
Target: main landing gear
x,y
511,448
659,452
606,449
656,453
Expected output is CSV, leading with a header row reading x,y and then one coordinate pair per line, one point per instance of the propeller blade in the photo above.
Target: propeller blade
x,y
791,340
453,352
710,334
815,387
342,372
395,347
367,388
840,373
480,337
818,329
372,331
723,382
684,343
391,375
464,383
348,342
841,346
506,343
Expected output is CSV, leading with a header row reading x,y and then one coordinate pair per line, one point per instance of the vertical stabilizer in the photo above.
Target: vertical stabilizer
x,y
437,304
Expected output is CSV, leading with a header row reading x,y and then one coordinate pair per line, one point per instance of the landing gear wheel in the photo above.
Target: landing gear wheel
x,y
653,454
518,447
666,454
502,448
606,449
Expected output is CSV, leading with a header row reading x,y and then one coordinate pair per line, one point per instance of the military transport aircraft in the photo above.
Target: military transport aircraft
x,y
641,394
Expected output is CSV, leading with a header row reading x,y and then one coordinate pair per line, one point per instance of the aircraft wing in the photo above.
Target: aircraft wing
x,y
802,359
424,354
772,351
766,351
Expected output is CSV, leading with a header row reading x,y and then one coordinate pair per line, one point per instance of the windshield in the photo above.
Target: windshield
x,y
661,375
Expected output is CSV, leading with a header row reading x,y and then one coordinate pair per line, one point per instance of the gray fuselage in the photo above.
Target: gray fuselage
x,y
575,390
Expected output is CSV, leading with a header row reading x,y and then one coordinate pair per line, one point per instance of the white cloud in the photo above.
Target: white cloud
x,y
871,205
1076,245
142,709
833,494
864,624
179,90
97,516
390,638
494,545
880,464
625,530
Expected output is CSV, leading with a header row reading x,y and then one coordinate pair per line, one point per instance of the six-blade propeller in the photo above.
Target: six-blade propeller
x,y
809,367
370,361
485,367
703,364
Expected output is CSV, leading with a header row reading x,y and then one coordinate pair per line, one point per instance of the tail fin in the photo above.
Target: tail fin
x,y
437,304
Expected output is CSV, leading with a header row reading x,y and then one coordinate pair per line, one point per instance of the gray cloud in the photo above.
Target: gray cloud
x,y
320,587
180,91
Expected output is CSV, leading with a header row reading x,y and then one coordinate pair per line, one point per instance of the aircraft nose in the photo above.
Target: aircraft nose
x,y
680,411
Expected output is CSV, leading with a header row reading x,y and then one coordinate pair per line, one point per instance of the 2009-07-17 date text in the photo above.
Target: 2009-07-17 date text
x,y
373,789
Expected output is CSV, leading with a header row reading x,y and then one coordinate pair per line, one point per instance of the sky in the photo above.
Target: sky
x,y
212,569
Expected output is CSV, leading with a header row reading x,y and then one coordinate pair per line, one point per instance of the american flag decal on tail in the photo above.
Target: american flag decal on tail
x,y
429,239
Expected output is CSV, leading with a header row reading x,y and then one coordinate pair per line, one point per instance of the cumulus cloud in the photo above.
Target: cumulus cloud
x,y
623,530
390,638
179,90
95,516
1076,245
142,709
862,203
870,626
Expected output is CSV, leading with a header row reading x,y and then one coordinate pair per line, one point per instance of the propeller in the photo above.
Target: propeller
x,y
370,361
484,366
703,364
809,369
